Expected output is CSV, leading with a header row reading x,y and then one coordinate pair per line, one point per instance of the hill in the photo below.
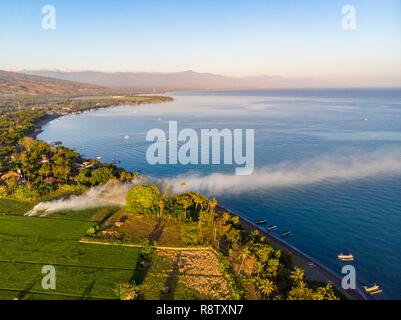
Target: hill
x,y
15,84
187,80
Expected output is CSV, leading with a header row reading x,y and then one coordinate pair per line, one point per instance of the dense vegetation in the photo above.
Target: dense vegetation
x,y
30,169
260,270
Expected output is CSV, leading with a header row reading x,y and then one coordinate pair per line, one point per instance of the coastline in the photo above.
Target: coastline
x,y
318,272
40,123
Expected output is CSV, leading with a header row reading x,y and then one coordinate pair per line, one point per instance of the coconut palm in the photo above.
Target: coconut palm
x,y
244,254
212,204
266,287
162,204
297,275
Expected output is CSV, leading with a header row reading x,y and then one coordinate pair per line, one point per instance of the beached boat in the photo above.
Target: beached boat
x,y
286,233
345,257
271,228
261,221
375,289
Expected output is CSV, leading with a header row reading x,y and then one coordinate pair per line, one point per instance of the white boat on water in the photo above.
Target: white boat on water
x,y
345,257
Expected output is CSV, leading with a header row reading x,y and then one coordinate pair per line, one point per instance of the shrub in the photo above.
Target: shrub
x,y
127,291
147,249
91,232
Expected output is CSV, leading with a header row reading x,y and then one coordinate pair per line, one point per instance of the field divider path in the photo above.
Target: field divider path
x,y
133,245
53,293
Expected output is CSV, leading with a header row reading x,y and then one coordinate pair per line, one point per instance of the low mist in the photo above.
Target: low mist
x,y
330,168
112,193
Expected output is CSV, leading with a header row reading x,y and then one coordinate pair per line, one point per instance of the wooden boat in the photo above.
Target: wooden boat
x,y
375,289
271,228
345,257
261,221
286,233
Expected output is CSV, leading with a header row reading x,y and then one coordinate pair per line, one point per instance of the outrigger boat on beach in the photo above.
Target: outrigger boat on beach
x,y
345,257
375,289
261,221
271,228
286,234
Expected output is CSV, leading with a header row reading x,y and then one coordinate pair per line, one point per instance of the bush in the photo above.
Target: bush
x,y
127,291
26,192
91,232
147,249
3,192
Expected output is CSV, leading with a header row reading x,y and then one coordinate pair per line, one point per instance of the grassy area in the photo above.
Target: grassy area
x,y
137,228
93,214
83,271
11,207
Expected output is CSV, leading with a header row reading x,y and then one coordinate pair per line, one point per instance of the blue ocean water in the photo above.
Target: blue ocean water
x,y
361,214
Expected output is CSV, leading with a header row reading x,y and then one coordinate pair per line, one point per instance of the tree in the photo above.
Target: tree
x,y
162,204
126,176
297,275
127,291
212,204
244,254
266,287
143,199
44,171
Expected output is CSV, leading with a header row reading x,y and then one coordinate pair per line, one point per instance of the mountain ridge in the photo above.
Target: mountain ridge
x,y
184,80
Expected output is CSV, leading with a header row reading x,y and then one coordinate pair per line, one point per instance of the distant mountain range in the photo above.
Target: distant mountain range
x,y
14,84
187,80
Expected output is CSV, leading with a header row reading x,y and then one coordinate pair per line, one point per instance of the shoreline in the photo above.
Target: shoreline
x,y
40,123
319,272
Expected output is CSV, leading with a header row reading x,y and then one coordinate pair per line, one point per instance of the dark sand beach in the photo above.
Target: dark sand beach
x,y
316,272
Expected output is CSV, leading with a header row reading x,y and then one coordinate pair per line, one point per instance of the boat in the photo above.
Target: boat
x,y
271,228
261,221
375,289
345,257
286,233
99,158
126,137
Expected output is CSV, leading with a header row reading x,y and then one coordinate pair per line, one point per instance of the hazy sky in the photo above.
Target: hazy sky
x,y
231,37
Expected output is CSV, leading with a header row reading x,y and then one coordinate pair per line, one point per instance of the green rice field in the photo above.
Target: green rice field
x,y
83,271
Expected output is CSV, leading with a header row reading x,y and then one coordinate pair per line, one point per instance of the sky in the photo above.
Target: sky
x,y
230,37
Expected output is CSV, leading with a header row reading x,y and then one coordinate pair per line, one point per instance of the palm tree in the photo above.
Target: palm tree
x,y
245,253
198,201
297,275
212,204
266,287
162,204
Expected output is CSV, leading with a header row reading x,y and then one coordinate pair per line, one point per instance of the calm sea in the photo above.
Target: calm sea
x,y
360,214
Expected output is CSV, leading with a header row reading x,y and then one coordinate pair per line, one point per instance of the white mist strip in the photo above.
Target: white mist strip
x,y
111,193
327,168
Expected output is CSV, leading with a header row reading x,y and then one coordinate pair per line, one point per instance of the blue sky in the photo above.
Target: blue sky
x,y
231,37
